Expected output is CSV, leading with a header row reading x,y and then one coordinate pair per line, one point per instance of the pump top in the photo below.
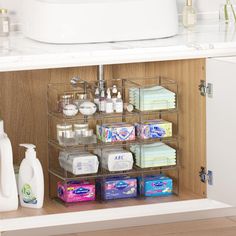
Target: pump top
x,y
30,152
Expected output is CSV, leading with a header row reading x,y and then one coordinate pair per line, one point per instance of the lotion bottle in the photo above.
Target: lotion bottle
x,y
8,187
102,102
109,103
189,14
119,103
31,180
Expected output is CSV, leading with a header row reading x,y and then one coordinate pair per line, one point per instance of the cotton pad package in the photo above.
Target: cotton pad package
x,y
115,159
79,163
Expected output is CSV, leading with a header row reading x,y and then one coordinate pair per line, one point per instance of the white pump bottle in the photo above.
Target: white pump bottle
x,y
8,188
31,180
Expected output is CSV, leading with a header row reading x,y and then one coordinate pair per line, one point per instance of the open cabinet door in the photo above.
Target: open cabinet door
x,y
221,129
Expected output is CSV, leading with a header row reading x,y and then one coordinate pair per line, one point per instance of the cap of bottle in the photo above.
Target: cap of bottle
x,y
109,95
30,151
114,89
102,93
189,2
97,91
119,95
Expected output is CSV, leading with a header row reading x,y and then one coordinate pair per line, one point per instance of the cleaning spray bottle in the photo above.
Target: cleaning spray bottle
x,y
31,181
8,188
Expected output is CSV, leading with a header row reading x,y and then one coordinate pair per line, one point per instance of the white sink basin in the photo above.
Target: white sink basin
x,y
86,21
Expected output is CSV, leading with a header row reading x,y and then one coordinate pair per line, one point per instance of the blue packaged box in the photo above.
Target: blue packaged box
x,y
154,129
119,187
156,186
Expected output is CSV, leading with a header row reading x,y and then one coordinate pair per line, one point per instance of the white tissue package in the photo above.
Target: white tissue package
x,y
114,159
79,163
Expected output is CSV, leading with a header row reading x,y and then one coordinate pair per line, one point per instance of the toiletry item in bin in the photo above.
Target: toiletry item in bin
x,y
8,188
96,98
79,129
76,191
115,159
153,98
156,186
118,187
87,108
70,110
153,155
154,129
79,98
119,105
102,102
63,100
116,132
109,103
31,180
66,135
78,163
114,96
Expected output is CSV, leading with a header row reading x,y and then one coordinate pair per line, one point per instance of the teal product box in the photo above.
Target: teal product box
x,y
157,186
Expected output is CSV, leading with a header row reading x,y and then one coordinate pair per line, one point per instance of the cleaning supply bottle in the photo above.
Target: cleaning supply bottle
x,y
189,14
8,188
31,181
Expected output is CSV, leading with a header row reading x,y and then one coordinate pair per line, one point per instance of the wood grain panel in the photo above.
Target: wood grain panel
x,y
23,107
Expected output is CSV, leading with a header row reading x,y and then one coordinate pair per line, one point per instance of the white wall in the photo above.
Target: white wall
x,y
201,5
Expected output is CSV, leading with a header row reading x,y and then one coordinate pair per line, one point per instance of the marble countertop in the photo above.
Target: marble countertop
x,y
207,39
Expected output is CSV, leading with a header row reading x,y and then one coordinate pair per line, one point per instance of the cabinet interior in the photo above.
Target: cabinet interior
x,y
23,107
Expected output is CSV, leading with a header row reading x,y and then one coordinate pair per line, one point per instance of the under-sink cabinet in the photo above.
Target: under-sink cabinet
x,y
205,169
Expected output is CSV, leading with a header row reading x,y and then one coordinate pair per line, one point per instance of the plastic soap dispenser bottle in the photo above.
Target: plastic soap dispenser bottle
x,y
31,181
8,188
189,14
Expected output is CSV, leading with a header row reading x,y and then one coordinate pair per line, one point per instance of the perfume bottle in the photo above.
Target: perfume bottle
x,y
189,14
4,22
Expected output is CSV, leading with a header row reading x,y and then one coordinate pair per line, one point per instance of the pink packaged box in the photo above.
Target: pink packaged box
x,y
75,191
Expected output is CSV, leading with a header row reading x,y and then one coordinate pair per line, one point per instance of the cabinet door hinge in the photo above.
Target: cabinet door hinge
x,y
206,89
206,176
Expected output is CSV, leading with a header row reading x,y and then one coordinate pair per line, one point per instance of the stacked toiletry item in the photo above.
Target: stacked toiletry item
x,y
78,163
156,186
115,159
154,129
118,188
153,98
154,155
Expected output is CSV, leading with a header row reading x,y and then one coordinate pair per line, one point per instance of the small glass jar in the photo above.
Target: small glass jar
x,y
79,98
88,137
4,23
63,100
65,135
79,129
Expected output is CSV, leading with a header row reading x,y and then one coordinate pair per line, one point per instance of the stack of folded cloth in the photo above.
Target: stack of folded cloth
x,y
154,98
154,155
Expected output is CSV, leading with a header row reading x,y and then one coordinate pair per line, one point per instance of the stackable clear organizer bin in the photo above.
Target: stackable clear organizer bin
x,y
133,92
